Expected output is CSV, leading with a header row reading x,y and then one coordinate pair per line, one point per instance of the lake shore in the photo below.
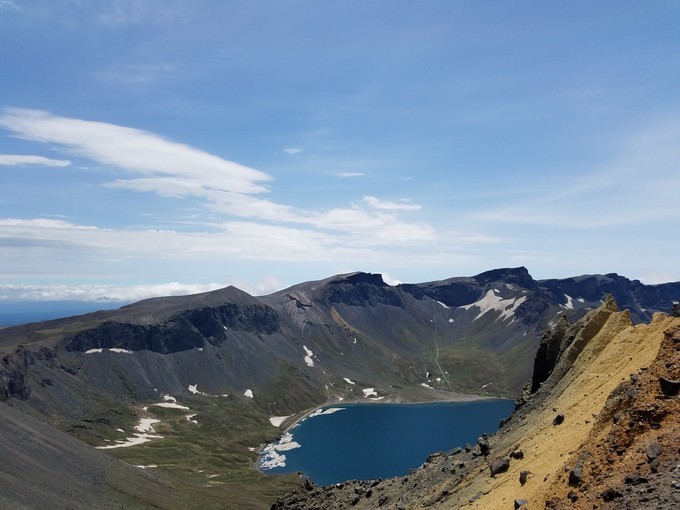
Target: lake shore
x,y
440,397
394,438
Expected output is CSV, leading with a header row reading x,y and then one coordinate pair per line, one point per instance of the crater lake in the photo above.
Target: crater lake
x,y
367,441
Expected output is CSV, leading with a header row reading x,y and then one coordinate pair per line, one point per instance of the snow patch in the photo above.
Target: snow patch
x,y
570,302
348,380
425,385
171,405
113,349
271,458
492,302
169,398
276,421
321,412
450,321
308,358
368,392
144,434
190,418
248,393
443,305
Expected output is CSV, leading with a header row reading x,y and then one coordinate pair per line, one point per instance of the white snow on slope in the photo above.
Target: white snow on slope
x,y
113,349
171,405
348,380
321,412
144,434
271,458
276,421
425,385
369,392
193,388
444,305
491,301
308,357
248,393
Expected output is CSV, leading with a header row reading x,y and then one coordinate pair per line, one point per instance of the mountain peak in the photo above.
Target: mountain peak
x,y
512,275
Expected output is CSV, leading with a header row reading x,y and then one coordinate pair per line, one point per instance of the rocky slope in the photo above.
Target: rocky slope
x,y
233,356
600,431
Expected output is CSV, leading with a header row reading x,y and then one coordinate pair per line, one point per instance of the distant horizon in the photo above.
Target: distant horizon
x,y
119,295
150,151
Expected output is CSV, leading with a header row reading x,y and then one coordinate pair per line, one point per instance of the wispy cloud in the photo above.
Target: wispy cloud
x,y
350,174
172,169
637,186
21,159
291,151
135,151
9,5
401,205
137,74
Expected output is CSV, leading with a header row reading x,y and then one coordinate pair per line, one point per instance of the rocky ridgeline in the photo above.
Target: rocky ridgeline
x,y
637,462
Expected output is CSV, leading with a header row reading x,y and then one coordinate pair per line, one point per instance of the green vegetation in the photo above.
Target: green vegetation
x,y
208,464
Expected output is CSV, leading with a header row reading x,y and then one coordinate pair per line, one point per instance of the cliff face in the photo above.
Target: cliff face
x,y
577,407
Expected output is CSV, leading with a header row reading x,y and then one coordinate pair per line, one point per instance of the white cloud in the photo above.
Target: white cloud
x,y
129,293
21,159
401,205
389,280
291,151
9,4
101,293
140,73
636,186
173,169
345,175
135,151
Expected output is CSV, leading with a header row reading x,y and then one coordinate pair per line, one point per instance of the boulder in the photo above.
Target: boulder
x,y
499,466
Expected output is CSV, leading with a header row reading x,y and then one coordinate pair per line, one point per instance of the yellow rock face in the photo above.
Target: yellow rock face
x,y
614,350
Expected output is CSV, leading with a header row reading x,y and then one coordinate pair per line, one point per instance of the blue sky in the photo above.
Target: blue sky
x,y
160,147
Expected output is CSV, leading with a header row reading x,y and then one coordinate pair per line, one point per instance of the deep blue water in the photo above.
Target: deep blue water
x,y
366,441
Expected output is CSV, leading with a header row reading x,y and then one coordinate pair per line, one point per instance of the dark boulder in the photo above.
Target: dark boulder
x,y
653,451
523,476
499,466
669,387
559,419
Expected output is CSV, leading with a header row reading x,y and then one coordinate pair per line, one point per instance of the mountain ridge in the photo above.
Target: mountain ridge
x,y
270,356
